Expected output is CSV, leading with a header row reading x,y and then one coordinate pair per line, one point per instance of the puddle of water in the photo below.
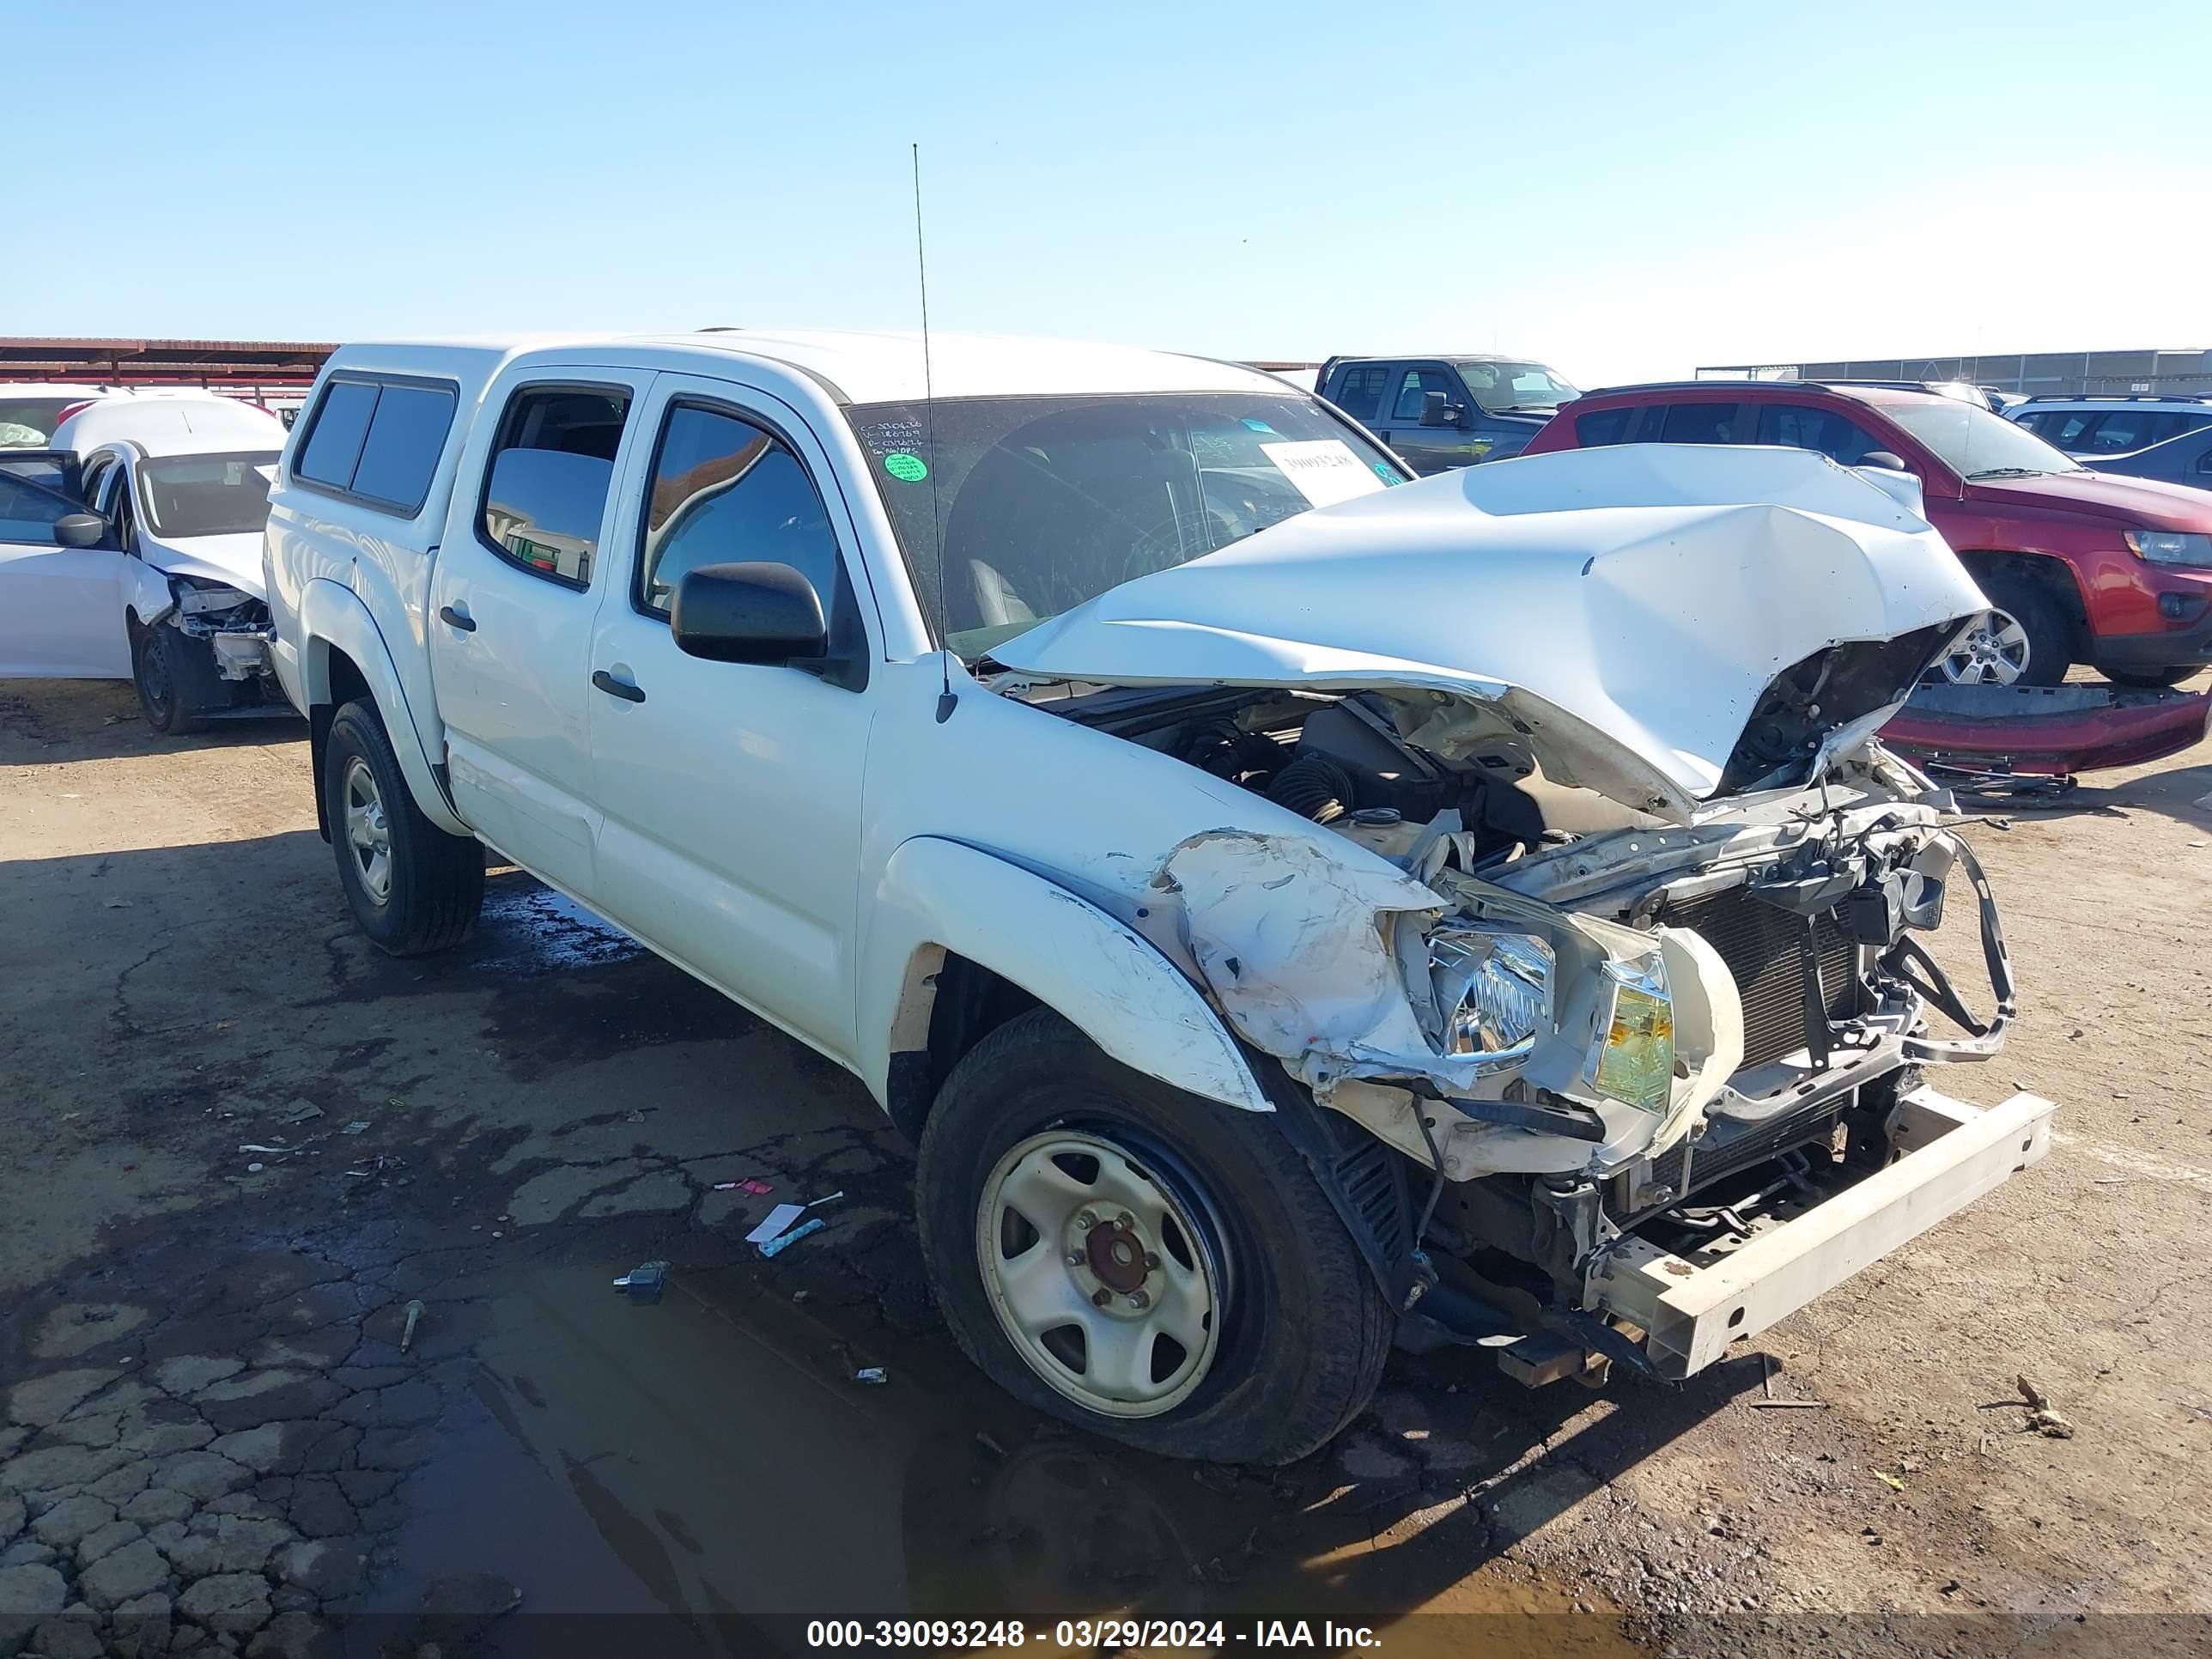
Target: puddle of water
x,y
527,928
710,1461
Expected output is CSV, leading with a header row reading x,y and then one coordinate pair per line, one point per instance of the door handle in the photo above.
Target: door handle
x,y
615,687
459,619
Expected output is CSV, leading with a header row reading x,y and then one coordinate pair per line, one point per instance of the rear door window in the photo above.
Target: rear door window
x,y
1605,426
2119,431
2065,427
1704,423
551,471
1359,391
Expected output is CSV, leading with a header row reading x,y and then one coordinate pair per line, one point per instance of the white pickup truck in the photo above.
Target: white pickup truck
x,y
1289,903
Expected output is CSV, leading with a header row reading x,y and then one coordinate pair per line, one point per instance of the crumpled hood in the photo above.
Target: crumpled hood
x,y
1620,611
235,559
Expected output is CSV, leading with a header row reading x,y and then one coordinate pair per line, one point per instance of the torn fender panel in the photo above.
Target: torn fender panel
x,y
1301,950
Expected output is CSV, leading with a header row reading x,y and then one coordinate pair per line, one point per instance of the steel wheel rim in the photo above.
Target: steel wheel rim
x,y
154,676
1141,1279
368,833
1994,651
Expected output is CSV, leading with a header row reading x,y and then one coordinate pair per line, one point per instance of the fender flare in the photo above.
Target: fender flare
x,y
2048,569
333,617
936,895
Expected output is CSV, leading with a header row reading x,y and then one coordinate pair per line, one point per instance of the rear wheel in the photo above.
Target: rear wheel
x,y
2024,640
413,888
1160,1269
167,682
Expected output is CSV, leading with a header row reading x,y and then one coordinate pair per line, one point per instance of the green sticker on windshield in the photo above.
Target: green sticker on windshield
x,y
906,469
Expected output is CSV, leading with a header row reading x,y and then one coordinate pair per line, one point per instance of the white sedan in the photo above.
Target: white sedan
x,y
140,560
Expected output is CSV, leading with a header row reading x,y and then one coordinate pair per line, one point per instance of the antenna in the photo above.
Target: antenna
x,y
946,700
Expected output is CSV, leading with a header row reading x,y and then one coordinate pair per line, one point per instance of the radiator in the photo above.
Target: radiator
x,y
1759,944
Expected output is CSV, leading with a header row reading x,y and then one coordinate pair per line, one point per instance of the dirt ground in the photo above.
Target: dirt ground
x,y
238,1144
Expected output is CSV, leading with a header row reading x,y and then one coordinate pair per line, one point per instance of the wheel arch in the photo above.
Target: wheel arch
x,y
2050,575
960,940
343,658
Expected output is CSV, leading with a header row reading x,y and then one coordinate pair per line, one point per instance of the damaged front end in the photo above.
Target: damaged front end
x,y
1619,947
1613,1063
235,625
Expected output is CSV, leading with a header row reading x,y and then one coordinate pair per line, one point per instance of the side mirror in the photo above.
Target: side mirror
x,y
80,530
1438,409
755,613
1884,457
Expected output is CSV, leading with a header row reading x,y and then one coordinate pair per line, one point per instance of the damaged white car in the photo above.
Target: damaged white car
x,y
1290,905
136,555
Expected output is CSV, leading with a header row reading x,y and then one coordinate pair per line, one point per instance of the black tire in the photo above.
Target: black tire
x,y
433,882
2049,636
173,684
1303,1330
2150,679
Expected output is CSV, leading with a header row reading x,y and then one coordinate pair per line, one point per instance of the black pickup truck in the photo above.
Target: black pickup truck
x,y
1448,410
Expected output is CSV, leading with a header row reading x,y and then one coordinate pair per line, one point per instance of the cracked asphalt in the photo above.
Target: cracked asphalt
x,y
239,1144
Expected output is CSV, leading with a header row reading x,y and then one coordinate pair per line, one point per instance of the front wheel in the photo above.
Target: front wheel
x,y
413,888
1160,1269
2023,641
167,682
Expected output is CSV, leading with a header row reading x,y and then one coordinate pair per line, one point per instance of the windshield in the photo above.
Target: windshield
x,y
187,496
1048,501
1974,443
1516,385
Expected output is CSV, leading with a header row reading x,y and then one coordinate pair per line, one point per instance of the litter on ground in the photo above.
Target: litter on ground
x,y
777,1245
644,1282
777,1219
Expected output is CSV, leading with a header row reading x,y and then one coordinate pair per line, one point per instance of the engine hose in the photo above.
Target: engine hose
x,y
1225,748
1314,787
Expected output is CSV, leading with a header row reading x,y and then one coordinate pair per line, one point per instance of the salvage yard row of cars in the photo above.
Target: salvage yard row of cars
x,y
1291,901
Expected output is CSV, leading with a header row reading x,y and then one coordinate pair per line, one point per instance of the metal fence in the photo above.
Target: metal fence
x,y
2047,373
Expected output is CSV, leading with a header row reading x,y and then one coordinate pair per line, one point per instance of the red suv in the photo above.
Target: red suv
x,y
2078,566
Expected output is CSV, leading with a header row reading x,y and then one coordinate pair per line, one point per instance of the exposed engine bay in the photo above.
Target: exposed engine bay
x,y
1338,760
1581,1023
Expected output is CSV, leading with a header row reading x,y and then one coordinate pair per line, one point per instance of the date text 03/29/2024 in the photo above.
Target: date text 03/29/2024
x,y
1088,1635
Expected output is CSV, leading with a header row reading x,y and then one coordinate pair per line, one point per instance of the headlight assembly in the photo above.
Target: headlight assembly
x,y
2184,547
1632,1059
197,597
1493,989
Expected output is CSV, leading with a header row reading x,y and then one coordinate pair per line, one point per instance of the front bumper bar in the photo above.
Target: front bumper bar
x,y
1949,1154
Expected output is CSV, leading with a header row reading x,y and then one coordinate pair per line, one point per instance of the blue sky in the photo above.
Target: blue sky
x,y
1622,189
